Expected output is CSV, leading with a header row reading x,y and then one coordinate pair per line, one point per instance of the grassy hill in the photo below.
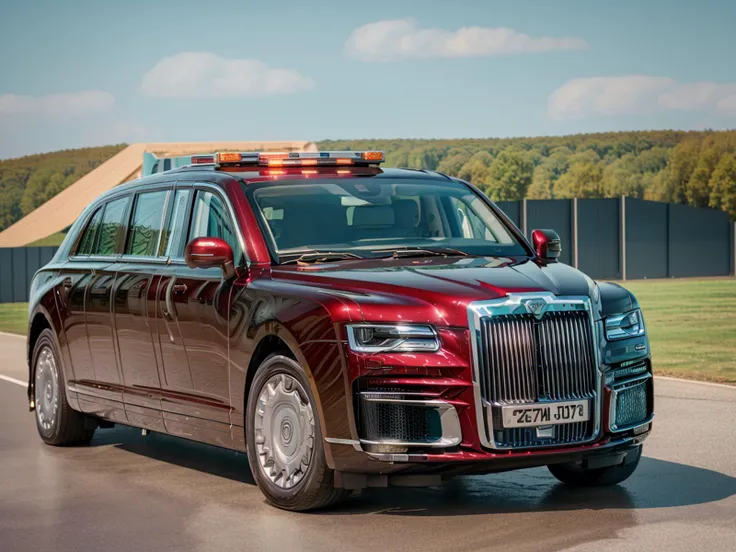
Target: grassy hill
x,y
27,182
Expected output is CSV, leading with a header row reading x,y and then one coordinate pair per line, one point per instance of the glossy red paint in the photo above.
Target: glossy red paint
x,y
207,253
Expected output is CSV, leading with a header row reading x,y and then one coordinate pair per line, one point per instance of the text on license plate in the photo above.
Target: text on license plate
x,y
539,414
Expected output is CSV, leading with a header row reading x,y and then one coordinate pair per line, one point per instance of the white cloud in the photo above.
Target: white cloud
x,y
62,106
397,39
205,75
638,94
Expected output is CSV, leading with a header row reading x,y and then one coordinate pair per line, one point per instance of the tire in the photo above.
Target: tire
x,y
596,477
57,423
280,398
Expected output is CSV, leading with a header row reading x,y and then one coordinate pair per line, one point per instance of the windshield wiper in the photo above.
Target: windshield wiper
x,y
323,257
406,252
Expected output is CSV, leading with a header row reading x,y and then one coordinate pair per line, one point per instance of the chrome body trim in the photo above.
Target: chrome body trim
x,y
515,303
622,386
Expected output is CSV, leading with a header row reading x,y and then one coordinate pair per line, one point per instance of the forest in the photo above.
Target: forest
x,y
693,168
690,167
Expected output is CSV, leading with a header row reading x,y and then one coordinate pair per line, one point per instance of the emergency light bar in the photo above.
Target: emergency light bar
x,y
291,159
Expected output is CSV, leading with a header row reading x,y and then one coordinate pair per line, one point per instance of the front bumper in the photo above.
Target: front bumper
x,y
445,381
426,470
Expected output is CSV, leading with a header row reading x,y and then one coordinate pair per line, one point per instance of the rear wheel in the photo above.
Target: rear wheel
x,y
57,423
284,439
597,477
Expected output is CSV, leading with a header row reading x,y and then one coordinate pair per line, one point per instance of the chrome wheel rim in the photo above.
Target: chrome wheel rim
x,y
284,431
46,389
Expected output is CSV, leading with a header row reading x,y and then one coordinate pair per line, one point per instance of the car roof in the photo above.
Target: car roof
x,y
263,174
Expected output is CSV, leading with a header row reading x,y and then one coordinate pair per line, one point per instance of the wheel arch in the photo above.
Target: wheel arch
x,y
272,337
40,319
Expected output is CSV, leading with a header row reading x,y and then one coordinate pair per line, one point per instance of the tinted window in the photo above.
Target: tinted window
x,y
87,243
145,227
210,219
111,227
175,236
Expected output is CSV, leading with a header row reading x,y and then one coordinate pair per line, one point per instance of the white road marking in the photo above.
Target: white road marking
x,y
13,380
19,336
708,383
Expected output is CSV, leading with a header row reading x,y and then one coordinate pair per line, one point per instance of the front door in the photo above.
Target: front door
x,y
192,330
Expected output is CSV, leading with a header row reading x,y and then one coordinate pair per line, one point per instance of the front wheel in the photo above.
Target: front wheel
x,y
284,439
597,477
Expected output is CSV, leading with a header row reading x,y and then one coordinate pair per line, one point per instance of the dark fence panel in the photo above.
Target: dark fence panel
x,y
599,233
554,214
17,267
699,242
6,275
512,210
646,239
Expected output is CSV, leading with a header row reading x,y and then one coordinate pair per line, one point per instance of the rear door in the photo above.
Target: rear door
x,y
136,283
76,275
103,396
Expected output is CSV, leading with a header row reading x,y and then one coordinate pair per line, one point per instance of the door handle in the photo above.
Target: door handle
x,y
179,288
67,284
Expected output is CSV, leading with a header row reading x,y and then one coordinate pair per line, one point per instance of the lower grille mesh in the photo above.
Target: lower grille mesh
x,y
631,405
398,422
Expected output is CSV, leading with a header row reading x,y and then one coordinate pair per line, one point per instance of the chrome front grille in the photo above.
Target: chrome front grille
x,y
521,356
523,359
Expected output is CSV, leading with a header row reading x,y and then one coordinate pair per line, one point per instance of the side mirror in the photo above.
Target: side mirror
x,y
547,244
208,253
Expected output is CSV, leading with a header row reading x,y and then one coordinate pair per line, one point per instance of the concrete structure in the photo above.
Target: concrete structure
x,y
60,212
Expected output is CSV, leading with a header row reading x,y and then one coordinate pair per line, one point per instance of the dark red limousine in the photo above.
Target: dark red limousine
x,y
347,326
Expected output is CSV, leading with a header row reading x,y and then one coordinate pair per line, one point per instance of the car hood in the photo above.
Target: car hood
x,y
435,289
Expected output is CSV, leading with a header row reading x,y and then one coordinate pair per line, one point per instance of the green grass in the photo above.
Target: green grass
x,y
691,325
14,317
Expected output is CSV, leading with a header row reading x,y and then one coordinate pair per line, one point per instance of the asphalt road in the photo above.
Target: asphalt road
x,y
127,492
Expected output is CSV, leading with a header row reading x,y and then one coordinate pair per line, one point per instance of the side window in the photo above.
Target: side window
x,y
87,243
111,226
175,235
145,226
210,219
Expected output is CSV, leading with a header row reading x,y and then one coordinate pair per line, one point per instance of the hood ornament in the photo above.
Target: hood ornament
x,y
536,307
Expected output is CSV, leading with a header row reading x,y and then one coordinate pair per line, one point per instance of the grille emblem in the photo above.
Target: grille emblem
x,y
536,307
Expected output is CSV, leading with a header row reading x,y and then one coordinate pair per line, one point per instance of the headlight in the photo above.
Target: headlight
x,y
400,338
626,325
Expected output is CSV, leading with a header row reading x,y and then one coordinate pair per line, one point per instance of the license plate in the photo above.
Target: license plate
x,y
541,414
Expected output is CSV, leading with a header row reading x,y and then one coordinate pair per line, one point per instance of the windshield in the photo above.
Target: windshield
x,y
370,218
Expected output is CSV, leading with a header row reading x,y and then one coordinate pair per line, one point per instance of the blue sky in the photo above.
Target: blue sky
x,y
79,73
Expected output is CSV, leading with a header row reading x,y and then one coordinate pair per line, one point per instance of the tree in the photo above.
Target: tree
x,y
697,189
542,183
582,180
476,171
453,164
622,177
510,176
723,185
683,160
